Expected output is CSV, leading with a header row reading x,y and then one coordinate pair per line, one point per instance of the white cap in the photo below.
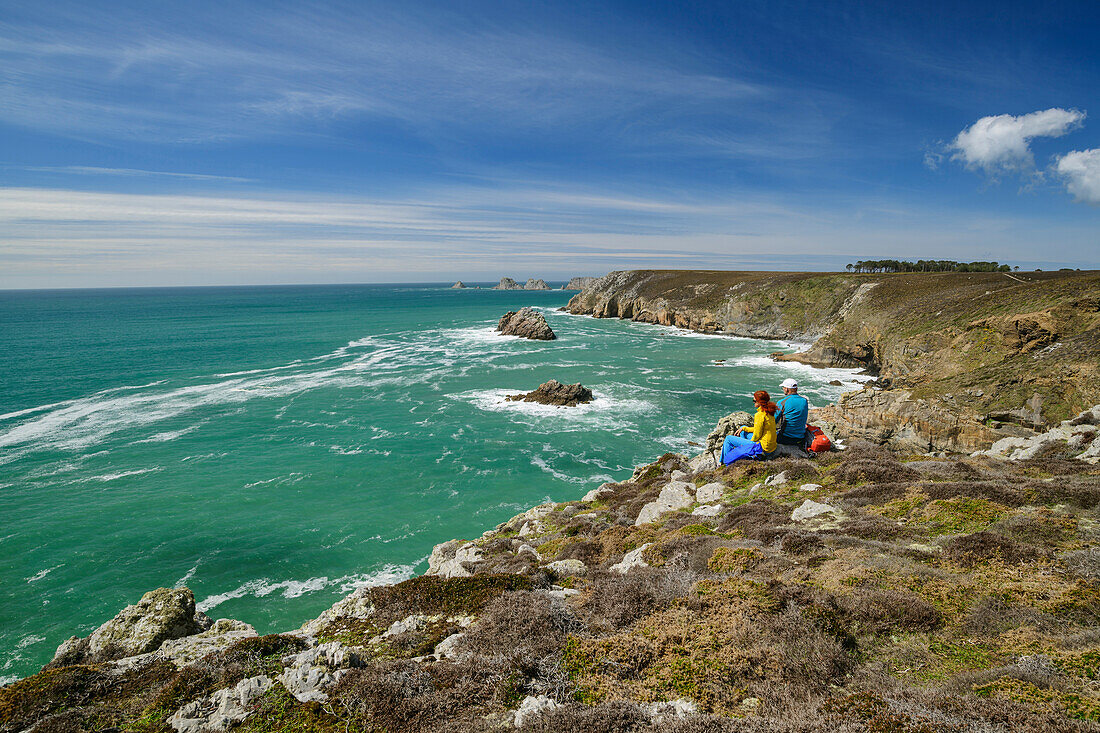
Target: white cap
x,y
789,384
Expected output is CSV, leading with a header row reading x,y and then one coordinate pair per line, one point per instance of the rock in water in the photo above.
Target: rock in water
x,y
507,283
526,322
458,285
556,393
533,284
579,283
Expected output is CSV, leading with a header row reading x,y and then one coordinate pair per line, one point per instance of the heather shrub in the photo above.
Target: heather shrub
x,y
885,470
800,542
614,601
521,626
971,549
758,520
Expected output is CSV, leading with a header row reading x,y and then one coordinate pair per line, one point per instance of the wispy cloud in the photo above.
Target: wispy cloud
x,y
91,170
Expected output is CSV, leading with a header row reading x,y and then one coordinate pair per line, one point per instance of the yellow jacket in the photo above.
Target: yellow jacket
x,y
763,430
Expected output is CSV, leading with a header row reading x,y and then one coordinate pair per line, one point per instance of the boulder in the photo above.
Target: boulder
x,y
704,462
809,487
533,284
709,492
810,509
1078,436
728,425
531,707
507,283
160,615
556,393
595,494
779,479
662,712
707,510
675,495
568,567
223,709
527,323
631,560
310,674
449,647
448,560
187,650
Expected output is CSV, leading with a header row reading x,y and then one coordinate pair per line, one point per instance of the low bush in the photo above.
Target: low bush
x,y
614,601
972,549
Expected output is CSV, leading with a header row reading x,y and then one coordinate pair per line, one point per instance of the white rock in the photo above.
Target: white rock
x,y
532,706
680,476
595,494
442,553
449,647
631,560
663,711
707,510
568,567
675,495
810,487
456,566
409,623
223,709
526,548
811,509
562,593
709,492
780,479
702,462
756,487
310,674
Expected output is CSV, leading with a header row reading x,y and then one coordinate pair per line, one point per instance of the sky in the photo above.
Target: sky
x,y
153,143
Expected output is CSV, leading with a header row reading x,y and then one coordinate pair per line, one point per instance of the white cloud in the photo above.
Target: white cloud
x,y
1080,171
1000,143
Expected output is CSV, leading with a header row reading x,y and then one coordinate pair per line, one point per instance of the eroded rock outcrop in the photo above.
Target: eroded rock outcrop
x,y
578,283
507,283
458,285
557,394
527,323
536,284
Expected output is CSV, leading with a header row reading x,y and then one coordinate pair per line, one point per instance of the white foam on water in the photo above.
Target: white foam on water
x,y
42,574
187,576
262,587
493,400
8,679
123,474
28,640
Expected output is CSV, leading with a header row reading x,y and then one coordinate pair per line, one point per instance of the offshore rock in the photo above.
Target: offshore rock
x,y
458,285
533,284
160,615
507,283
556,393
526,322
578,283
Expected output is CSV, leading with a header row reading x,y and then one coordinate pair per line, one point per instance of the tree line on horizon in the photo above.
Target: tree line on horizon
x,y
926,266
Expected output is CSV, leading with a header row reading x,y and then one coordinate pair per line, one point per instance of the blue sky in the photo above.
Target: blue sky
x,y
155,143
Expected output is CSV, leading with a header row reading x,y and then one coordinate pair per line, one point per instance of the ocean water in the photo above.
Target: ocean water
x,y
273,448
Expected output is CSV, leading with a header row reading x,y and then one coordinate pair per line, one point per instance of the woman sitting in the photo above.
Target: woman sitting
x,y
759,440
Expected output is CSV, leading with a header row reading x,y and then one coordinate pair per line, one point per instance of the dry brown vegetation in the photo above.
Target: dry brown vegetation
x,y
953,595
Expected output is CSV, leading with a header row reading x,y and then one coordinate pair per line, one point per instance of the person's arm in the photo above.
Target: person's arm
x,y
758,426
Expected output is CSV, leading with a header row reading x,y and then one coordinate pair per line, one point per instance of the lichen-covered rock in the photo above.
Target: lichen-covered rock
x,y
779,479
223,709
707,510
810,509
711,492
570,566
557,394
310,674
449,559
675,495
595,494
531,707
728,425
631,560
185,651
160,615
527,323
1078,436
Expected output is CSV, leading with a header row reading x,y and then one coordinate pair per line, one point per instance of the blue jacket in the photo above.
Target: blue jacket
x,y
795,410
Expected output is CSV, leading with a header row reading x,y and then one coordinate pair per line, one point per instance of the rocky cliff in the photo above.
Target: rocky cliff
x,y
964,358
856,592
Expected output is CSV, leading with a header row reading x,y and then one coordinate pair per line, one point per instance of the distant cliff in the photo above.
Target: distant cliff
x,y
968,358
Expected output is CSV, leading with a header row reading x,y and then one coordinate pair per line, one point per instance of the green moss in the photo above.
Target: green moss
x,y
279,711
1073,704
697,529
730,559
962,515
432,595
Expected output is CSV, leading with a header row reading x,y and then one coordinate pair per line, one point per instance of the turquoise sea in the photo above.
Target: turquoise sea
x,y
273,448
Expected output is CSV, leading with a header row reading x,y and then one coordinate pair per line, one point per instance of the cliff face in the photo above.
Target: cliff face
x,y
968,357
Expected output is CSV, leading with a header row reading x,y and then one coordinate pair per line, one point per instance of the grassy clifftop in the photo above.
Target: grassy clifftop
x,y
999,350
859,592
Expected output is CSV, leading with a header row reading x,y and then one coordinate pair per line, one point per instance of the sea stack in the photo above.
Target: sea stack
x,y
458,286
578,283
526,322
533,284
556,393
507,283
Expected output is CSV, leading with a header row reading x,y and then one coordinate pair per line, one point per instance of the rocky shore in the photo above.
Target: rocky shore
x,y
860,591
963,359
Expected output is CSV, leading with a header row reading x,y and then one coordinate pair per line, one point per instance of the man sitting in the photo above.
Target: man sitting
x,y
794,411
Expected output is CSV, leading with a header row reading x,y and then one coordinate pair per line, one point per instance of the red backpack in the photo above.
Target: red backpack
x,y
821,442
